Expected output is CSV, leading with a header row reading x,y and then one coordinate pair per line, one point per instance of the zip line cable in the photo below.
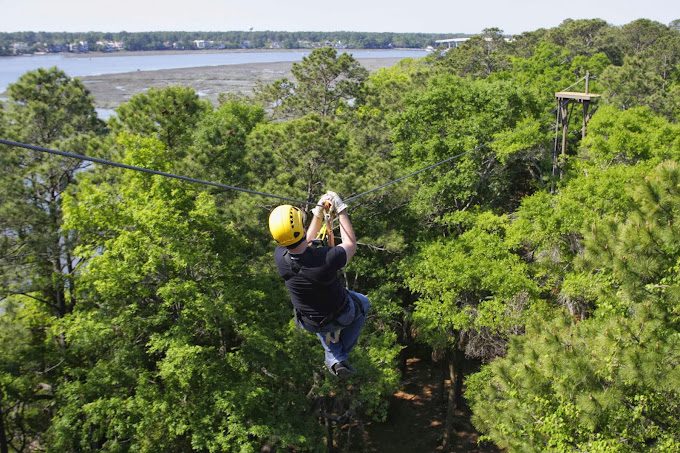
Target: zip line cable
x,y
574,84
394,181
110,163
147,170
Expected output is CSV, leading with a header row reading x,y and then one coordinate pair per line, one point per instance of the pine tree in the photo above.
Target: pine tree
x,y
610,382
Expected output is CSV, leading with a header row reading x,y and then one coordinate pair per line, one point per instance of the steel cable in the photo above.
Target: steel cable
x,y
220,185
150,171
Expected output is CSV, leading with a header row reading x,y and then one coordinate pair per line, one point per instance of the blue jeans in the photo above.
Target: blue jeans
x,y
351,321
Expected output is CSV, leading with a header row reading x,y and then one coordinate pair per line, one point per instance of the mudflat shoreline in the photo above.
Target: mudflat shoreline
x,y
111,90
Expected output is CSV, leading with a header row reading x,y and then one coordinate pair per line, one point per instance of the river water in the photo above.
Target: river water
x,y
11,68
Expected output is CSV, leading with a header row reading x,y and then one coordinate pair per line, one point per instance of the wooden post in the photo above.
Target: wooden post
x,y
564,98
555,148
586,104
564,116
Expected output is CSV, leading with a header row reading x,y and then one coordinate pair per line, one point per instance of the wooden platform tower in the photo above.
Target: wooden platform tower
x,y
565,104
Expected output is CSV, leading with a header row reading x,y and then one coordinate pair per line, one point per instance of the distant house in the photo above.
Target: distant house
x,y
55,48
19,47
110,46
80,46
200,43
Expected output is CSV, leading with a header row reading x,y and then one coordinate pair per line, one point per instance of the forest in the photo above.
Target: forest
x,y
32,42
140,313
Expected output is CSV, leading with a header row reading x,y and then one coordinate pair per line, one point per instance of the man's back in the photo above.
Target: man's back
x,y
312,279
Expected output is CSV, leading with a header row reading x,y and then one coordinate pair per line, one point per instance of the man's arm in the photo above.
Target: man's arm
x,y
314,227
349,240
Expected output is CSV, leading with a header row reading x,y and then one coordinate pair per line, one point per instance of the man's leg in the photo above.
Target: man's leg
x,y
333,352
350,334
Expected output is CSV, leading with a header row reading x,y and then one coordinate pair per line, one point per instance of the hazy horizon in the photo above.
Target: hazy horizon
x,y
379,16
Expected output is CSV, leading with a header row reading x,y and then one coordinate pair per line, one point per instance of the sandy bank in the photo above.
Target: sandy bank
x,y
110,90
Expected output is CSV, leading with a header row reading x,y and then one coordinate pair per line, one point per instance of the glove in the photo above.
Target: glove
x,y
338,204
318,209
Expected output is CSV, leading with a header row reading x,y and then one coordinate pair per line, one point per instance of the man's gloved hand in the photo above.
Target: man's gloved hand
x,y
318,209
338,204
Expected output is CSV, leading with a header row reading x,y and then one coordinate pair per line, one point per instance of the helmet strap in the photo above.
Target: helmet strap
x,y
292,246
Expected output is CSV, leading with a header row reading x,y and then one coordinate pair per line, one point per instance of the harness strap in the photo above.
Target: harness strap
x,y
326,232
329,317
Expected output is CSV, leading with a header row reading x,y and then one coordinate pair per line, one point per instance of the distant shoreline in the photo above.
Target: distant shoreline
x,y
141,53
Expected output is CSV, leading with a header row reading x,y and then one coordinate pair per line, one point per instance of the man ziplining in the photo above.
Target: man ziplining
x,y
321,304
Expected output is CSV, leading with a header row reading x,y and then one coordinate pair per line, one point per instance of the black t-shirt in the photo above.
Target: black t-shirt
x,y
315,290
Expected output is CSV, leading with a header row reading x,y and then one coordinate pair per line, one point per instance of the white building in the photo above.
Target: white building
x,y
19,47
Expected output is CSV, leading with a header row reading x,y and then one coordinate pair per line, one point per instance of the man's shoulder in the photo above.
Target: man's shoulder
x,y
279,253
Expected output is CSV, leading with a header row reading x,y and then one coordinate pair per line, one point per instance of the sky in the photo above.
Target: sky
x,y
434,16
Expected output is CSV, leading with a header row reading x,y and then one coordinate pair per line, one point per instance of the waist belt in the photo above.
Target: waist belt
x,y
329,317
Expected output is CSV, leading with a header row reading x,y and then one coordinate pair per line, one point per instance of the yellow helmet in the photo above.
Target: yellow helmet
x,y
286,224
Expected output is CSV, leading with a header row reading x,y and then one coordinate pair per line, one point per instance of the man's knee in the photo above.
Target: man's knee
x,y
362,300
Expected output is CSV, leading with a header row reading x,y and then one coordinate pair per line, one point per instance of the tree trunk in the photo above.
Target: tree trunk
x,y
454,365
4,448
329,436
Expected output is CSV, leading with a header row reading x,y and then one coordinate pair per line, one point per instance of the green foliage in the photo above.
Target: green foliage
x,y
584,37
219,143
480,56
45,106
323,83
599,385
642,252
452,116
174,343
608,383
649,68
636,83
630,136
551,68
299,155
169,114
29,361
469,283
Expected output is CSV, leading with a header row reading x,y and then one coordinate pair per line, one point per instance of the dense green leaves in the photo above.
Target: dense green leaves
x,y
455,116
323,82
471,283
605,385
174,330
608,383
169,114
